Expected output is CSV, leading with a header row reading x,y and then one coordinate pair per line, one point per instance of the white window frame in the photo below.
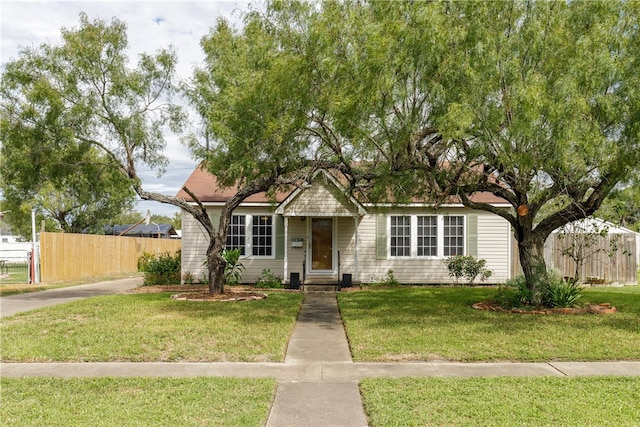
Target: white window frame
x,y
410,247
413,252
243,248
464,234
248,236
273,237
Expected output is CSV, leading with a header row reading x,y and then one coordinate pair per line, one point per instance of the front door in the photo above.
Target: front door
x,y
321,244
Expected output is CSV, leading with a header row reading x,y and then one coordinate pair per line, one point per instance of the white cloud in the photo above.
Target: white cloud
x,y
151,25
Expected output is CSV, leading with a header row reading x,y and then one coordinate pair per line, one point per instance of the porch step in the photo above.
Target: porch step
x,y
319,289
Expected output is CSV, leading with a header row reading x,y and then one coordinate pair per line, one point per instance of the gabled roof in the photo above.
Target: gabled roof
x,y
205,186
342,202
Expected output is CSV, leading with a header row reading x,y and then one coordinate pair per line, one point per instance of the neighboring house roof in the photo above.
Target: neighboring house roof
x,y
593,224
142,230
207,189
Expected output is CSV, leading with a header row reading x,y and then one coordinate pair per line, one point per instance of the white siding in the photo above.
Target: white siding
x,y
493,246
494,237
297,230
317,200
195,243
194,248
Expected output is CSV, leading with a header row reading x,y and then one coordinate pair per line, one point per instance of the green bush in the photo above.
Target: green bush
x,y
561,293
468,267
390,280
269,280
233,268
161,269
551,291
514,293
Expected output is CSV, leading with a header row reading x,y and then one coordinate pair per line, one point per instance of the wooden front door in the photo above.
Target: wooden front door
x,y
321,244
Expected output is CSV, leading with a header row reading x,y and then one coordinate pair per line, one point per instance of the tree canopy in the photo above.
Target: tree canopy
x,y
77,120
535,102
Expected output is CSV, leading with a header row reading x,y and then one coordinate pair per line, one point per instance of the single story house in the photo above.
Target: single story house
x,y
319,233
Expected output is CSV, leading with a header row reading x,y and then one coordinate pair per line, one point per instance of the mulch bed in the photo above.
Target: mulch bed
x,y
604,308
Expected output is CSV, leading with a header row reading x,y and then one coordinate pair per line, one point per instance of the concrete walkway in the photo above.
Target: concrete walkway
x,y
318,338
317,383
14,304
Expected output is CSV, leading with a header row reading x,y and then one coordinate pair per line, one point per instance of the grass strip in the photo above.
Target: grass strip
x,y
135,401
152,327
437,323
505,401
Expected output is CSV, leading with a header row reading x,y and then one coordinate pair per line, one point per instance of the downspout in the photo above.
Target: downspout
x,y
356,273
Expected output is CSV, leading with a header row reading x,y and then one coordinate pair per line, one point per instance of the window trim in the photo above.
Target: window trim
x,y
413,250
248,235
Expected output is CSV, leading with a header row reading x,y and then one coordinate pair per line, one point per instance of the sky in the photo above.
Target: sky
x,y
151,25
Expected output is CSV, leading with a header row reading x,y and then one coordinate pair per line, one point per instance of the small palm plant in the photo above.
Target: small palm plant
x,y
234,268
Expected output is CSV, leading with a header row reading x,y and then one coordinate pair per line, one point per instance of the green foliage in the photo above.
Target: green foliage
x,y
161,269
233,268
623,207
76,119
390,280
560,293
514,293
468,267
269,280
551,290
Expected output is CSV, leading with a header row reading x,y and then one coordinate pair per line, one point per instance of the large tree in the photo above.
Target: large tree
x,y
71,189
77,116
254,117
533,101
82,95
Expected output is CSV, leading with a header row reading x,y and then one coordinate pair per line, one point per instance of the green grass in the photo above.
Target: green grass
x,y
505,401
152,327
12,273
135,401
408,324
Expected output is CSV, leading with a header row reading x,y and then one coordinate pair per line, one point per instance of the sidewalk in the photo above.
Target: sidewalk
x,y
317,383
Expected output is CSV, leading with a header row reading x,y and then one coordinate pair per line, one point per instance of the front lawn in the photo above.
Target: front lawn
x,y
438,323
152,327
135,401
504,401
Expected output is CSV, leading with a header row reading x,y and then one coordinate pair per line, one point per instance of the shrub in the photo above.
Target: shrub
x,y
467,266
561,293
269,280
233,269
188,278
387,281
551,291
514,293
390,280
160,269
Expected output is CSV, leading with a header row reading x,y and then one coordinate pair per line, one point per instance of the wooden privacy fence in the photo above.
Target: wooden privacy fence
x,y
609,266
66,256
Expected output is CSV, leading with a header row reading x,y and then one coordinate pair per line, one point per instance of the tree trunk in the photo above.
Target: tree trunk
x,y
531,253
216,266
